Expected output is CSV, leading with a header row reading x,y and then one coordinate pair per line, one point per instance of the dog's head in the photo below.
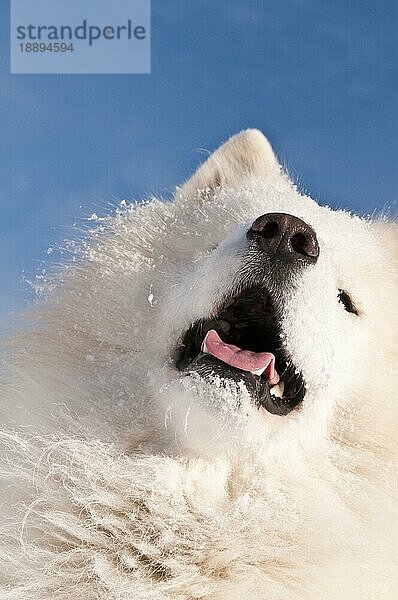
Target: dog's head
x,y
241,302
276,307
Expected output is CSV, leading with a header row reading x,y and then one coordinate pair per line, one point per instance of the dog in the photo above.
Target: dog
x,y
203,404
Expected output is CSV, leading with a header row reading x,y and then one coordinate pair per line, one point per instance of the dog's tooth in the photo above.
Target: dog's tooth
x,y
229,303
223,326
204,348
258,371
211,324
278,389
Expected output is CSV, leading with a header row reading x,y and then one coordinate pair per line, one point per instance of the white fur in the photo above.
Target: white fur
x,y
123,479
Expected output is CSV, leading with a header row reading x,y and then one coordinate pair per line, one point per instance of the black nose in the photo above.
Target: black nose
x,y
285,237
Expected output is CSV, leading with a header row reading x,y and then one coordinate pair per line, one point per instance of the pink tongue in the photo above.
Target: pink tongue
x,y
245,360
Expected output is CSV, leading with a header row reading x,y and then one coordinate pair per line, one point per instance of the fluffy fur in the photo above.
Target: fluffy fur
x,y
123,479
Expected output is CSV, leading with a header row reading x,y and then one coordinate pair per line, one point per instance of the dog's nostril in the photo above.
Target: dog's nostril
x,y
303,244
270,230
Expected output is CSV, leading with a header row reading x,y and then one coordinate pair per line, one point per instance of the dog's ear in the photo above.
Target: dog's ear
x,y
246,154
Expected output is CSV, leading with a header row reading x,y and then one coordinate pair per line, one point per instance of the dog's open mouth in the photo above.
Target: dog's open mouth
x,y
244,342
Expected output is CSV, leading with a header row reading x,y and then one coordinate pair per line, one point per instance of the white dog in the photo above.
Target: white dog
x,y
205,404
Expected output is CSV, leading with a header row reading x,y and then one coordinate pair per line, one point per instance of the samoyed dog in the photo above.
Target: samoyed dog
x,y
204,403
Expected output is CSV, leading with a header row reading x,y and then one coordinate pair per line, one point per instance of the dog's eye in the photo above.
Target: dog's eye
x,y
347,302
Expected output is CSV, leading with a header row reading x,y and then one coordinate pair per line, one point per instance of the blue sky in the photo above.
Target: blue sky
x,y
319,78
